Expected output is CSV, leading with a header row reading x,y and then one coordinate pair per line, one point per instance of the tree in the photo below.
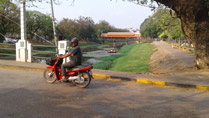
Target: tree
x,y
162,24
1,33
46,28
104,27
85,27
9,14
67,28
151,28
33,22
38,23
194,16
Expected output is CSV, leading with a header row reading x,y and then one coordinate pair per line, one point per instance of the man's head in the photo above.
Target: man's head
x,y
74,42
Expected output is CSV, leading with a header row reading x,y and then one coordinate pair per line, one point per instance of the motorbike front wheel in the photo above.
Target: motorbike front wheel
x,y
49,76
84,80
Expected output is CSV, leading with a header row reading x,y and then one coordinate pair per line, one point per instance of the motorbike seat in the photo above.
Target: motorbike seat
x,y
80,67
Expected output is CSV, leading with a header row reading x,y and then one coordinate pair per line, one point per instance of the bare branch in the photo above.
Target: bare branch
x,y
72,3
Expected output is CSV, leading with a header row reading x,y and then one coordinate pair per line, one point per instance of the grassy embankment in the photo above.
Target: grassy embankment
x,y
134,58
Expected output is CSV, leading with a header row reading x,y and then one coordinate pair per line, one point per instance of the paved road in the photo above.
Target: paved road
x,y
25,95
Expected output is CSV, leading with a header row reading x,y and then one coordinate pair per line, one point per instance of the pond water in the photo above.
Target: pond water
x,y
89,57
92,57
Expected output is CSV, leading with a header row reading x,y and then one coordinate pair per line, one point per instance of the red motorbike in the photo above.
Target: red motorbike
x,y
80,75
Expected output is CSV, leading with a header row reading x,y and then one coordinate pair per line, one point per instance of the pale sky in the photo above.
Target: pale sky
x,y
117,12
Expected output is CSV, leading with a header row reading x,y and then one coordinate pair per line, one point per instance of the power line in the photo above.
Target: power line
x,y
10,19
3,35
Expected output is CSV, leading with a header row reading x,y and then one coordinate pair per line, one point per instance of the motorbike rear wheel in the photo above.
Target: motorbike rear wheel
x,y
84,81
49,76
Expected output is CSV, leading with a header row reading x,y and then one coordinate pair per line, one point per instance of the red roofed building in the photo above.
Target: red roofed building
x,y
120,35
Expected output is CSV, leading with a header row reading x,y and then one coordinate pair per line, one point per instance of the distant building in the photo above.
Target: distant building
x,y
120,36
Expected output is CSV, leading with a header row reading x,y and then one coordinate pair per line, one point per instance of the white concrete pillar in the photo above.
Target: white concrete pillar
x,y
22,20
29,52
23,51
23,47
63,47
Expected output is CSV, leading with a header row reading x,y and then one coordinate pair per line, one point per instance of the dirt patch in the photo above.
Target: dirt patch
x,y
170,60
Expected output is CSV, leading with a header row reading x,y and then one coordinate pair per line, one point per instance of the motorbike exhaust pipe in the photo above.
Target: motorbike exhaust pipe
x,y
73,78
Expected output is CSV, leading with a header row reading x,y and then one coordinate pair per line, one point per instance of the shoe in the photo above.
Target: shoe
x,y
63,79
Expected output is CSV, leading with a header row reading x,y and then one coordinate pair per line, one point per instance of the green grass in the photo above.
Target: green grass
x,y
106,62
7,51
136,60
126,49
45,49
5,57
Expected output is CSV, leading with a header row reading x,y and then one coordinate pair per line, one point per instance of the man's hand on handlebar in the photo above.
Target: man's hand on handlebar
x,y
67,55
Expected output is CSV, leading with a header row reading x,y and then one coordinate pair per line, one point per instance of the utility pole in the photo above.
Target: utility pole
x,y
23,20
23,47
53,21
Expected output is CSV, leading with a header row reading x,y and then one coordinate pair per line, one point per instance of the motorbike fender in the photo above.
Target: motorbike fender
x,y
51,67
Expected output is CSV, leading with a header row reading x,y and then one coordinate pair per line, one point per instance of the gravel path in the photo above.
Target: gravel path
x,y
169,60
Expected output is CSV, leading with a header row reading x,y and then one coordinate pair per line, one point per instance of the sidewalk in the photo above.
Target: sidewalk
x,y
198,80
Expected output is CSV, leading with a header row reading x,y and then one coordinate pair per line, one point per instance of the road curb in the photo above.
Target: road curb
x,y
180,48
117,78
154,82
21,68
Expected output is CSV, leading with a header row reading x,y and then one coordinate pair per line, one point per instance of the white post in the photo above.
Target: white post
x,y
29,51
22,20
23,47
63,46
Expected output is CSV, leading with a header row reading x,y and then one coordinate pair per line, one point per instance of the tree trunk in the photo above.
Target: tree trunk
x,y
194,15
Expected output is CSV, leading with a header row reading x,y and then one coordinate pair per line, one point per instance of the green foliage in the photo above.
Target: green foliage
x,y
1,37
39,23
161,24
104,27
9,13
207,2
164,34
106,62
84,28
136,60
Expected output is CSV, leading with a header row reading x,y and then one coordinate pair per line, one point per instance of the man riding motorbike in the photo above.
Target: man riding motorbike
x,y
76,58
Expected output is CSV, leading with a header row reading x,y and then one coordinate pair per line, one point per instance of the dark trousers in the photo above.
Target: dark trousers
x,y
66,65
